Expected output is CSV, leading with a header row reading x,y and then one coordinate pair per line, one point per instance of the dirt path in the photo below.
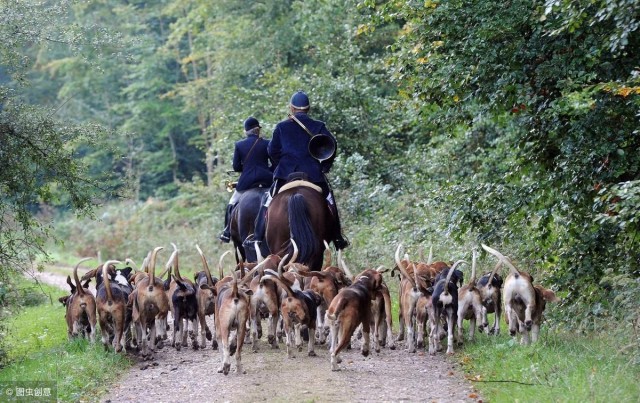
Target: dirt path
x,y
391,375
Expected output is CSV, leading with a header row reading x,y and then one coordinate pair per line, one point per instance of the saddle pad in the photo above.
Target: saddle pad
x,y
293,184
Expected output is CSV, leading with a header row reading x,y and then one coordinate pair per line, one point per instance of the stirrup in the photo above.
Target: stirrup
x,y
248,243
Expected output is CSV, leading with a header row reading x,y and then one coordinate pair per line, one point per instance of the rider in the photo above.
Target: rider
x,y
289,150
250,157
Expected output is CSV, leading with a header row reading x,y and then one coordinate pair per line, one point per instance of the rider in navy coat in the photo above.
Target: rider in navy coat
x,y
289,150
251,159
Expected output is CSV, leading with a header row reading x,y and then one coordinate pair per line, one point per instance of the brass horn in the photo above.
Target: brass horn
x,y
322,147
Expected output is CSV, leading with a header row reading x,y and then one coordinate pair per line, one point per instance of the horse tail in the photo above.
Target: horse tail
x,y
302,229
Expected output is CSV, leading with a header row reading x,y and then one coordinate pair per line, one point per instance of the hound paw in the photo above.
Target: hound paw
x,y
214,345
365,353
312,354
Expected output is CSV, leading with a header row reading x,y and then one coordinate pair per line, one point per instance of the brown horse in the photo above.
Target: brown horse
x,y
300,213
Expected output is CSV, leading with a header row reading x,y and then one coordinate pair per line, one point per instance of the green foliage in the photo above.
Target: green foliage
x,y
38,350
458,122
38,168
527,130
132,229
560,367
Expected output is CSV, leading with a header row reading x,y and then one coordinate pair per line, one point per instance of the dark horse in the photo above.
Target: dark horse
x,y
300,213
243,219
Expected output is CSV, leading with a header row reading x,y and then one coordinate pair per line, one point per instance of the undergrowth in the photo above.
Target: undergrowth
x,y
561,367
38,350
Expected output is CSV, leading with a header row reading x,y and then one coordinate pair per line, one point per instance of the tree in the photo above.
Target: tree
x,y
529,121
38,152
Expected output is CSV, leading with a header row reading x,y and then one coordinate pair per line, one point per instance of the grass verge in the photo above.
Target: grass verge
x,y
561,367
38,350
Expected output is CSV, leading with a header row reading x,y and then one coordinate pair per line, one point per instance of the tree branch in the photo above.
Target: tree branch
x,y
508,381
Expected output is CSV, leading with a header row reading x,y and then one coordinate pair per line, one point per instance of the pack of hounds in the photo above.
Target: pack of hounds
x,y
132,305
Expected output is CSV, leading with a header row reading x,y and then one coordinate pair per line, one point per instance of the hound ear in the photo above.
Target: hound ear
x,y
549,295
126,272
73,287
317,299
180,283
89,274
63,300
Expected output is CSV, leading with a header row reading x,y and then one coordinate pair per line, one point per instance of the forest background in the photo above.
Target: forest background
x,y
513,124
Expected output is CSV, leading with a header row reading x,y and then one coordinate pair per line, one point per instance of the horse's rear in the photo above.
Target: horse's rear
x,y
300,213
243,221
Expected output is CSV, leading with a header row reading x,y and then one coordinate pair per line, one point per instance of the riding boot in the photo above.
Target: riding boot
x,y
226,233
260,225
339,240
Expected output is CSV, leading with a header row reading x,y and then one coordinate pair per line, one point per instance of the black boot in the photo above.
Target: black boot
x,y
260,224
339,240
226,233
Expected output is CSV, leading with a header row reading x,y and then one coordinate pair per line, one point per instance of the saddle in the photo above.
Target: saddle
x,y
300,182
296,179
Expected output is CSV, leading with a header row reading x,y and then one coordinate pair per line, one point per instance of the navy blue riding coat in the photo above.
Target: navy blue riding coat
x,y
255,170
289,149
